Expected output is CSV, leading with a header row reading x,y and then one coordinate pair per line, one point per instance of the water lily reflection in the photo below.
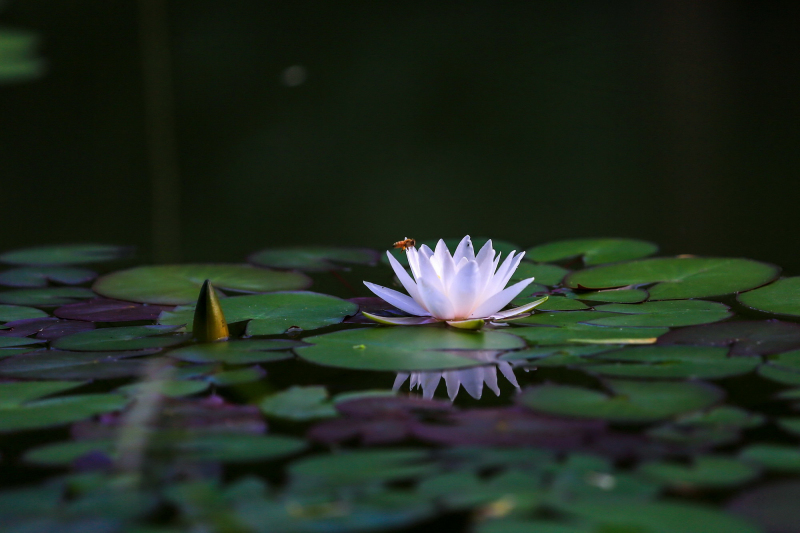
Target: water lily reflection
x,y
472,379
461,289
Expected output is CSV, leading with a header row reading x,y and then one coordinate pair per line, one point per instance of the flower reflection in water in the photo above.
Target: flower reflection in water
x,y
472,379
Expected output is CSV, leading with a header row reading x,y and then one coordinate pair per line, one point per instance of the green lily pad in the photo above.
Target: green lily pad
x,y
10,313
313,258
180,284
122,338
10,342
504,247
781,297
587,334
723,416
673,362
517,525
783,368
775,457
657,517
676,278
299,403
553,303
403,349
229,378
542,273
704,471
627,401
17,393
170,389
540,352
238,352
274,313
593,251
791,425
357,467
669,313
47,297
42,275
72,254
618,296
58,411
56,364
225,447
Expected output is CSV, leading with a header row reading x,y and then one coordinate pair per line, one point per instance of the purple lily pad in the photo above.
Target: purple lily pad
x,y
47,328
373,305
108,310
746,337
773,507
376,420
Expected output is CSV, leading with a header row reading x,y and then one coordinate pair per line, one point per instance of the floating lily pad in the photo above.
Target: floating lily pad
x,y
781,297
540,352
299,403
775,457
72,254
627,401
783,368
313,258
47,328
593,251
10,342
58,411
553,303
514,525
673,362
587,334
229,378
704,471
791,425
41,276
359,466
274,313
180,284
503,247
619,296
670,313
122,338
542,273
47,297
225,447
56,364
560,319
105,310
677,278
744,337
171,388
10,313
239,352
409,349
17,393
723,416
657,517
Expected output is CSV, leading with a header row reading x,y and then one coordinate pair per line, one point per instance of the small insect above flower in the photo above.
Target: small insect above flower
x,y
405,244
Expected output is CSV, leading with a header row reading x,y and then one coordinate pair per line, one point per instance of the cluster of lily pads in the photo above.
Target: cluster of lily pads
x,y
646,394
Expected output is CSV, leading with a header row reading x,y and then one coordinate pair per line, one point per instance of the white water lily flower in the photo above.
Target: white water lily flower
x,y
462,289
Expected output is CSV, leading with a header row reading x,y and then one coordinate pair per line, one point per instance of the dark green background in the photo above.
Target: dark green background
x,y
675,121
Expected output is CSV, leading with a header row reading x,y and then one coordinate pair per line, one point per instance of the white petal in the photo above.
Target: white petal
x,y
464,289
486,253
399,380
472,381
488,268
447,268
494,285
464,249
508,372
452,383
495,303
500,282
426,270
430,380
519,310
490,377
404,278
413,261
426,251
435,301
397,299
